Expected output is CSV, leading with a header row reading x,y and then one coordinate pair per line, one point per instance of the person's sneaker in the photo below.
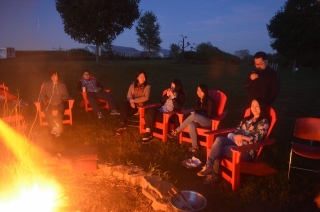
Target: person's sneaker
x,y
57,134
173,133
206,170
193,149
214,178
54,130
114,113
100,115
146,138
122,127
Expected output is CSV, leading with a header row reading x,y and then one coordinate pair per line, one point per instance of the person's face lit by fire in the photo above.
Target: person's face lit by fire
x,y
55,78
86,75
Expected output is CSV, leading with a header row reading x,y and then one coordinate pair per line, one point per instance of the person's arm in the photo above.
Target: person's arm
x,y
145,95
178,101
247,82
130,92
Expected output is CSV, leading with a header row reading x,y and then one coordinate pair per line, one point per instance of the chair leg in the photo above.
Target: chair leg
x,y
289,164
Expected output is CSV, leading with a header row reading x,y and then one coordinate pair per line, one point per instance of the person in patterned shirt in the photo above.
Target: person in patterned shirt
x,y
251,129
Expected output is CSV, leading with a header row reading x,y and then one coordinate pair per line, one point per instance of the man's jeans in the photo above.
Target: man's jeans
x,y
93,96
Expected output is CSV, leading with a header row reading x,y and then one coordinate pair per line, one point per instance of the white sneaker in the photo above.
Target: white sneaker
x,y
54,130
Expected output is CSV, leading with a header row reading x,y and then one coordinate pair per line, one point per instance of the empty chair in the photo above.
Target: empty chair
x,y
307,129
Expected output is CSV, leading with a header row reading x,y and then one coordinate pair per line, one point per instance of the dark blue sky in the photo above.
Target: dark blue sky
x,y
229,25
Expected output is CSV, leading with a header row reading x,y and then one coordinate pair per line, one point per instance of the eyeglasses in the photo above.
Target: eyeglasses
x,y
260,64
86,74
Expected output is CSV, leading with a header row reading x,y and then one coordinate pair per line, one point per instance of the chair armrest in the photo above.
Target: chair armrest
x,y
220,117
254,146
150,105
221,131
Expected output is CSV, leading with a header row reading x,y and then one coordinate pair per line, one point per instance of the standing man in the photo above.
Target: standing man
x,y
96,91
262,82
53,96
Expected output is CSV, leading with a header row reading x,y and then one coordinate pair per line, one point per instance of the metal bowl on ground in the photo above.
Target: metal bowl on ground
x,y
195,199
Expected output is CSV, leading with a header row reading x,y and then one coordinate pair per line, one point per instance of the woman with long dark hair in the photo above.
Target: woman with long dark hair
x,y
251,129
199,117
138,93
172,99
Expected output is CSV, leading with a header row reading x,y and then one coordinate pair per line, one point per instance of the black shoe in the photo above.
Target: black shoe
x,y
173,134
146,137
121,127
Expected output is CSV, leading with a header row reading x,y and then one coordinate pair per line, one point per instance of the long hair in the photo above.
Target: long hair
x,y
178,84
263,110
204,89
136,82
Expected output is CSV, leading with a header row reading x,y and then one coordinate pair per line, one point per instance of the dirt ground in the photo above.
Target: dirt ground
x,y
97,192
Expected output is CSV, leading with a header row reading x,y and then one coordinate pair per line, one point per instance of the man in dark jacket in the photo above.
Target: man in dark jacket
x,y
53,96
262,82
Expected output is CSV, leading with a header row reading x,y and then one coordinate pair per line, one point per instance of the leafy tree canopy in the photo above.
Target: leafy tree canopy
x,y
295,28
242,53
97,21
148,32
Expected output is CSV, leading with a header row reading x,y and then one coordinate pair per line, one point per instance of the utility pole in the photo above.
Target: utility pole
x,y
183,47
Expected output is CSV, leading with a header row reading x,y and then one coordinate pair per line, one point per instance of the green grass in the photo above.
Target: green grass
x,y
299,97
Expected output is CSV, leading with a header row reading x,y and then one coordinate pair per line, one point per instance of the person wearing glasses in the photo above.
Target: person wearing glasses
x,y
262,82
96,91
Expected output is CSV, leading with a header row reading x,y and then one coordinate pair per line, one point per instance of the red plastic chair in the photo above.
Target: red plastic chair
x,y
232,167
307,129
163,126
219,99
102,103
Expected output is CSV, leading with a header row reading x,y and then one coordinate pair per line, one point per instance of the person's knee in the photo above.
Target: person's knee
x,y
192,126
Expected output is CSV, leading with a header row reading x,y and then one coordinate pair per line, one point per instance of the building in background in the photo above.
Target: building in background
x,y
8,52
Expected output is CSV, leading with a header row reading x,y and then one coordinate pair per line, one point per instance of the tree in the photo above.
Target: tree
x,y
148,32
295,28
242,53
174,50
97,21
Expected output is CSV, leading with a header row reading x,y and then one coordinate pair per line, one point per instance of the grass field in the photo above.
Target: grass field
x,y
299,97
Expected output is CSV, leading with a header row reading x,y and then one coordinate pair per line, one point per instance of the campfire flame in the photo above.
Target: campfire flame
x,y
26,186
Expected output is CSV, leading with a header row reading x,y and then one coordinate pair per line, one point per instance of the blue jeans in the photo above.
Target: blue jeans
x,y
93,96
193,121
222,148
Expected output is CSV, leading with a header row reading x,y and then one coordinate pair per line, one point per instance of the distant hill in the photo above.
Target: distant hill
x,y
126,51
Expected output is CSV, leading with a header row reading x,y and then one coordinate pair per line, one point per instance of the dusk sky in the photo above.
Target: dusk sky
x,y
229,25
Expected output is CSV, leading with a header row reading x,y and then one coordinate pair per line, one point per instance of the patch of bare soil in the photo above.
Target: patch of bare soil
x,y
97,192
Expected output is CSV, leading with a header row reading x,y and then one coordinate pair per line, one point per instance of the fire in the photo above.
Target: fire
x,y
24,184
34,199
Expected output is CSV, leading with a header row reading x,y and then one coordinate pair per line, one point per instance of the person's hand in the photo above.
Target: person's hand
x,y
170,93
132,103
238,139
254,76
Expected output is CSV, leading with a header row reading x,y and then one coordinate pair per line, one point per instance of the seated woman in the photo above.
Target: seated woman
x,y
200,117
172,99
138,93
251,129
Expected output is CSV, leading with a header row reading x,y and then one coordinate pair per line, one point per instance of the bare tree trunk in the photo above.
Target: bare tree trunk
x,y
97,54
